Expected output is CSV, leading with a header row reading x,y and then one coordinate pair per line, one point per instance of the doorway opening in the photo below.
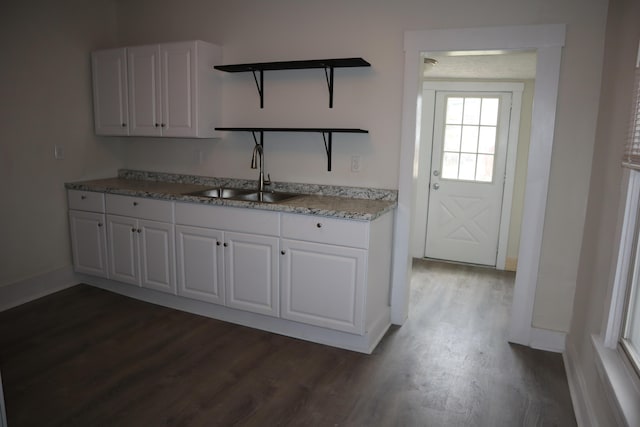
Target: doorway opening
x,y
547,41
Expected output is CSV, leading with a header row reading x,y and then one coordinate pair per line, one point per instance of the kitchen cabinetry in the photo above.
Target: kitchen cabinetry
x,y
141,242
88,235
247,264
324,274
167,90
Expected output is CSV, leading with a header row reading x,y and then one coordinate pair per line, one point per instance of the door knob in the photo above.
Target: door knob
x,y
436,186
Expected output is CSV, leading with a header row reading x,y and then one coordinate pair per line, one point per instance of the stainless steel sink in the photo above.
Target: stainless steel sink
x,y
243,194
221,193
265,197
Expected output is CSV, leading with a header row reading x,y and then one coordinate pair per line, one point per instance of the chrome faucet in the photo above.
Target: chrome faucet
x,y
258,152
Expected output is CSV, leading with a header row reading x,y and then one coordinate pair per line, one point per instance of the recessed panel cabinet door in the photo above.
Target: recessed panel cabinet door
x,y
157,259
200,262
179,89
123,249
88,242
323,285
144,91
251,273
110,92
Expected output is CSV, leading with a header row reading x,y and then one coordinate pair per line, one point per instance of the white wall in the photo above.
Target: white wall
x,y
46,100
253,30
601,230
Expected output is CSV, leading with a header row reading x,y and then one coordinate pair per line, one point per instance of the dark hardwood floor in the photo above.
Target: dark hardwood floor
x,y
87,357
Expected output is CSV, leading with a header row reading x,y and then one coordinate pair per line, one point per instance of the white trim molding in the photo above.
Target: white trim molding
x,y
582,407
544,339
547,41
17,293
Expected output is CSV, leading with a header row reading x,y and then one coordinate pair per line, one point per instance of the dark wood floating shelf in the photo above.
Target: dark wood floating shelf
x,y
327,135
327,64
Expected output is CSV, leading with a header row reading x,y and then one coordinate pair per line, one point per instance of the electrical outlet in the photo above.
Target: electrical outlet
x,y
356,163
58,152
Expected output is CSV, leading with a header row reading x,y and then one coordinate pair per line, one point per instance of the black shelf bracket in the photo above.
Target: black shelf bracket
x,y
259,85
327,135
329,77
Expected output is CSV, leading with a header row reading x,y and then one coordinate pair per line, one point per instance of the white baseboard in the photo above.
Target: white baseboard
x,y
544,339
17,293
577,388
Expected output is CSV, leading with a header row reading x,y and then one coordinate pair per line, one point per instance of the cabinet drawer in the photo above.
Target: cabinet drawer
x,y
326,230
244,220
140,207
85,201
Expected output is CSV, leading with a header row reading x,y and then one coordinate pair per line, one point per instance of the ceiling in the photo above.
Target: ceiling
x,y
484,65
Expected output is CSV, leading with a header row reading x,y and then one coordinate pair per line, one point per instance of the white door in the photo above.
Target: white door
x,y
88,242
145,113
157,256
467,176
251,273
323,285
110,105
200,263
178,69
123,249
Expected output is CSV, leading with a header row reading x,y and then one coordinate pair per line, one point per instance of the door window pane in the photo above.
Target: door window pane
x,y
469,149
467,167
450,165
454,110
471,114
487,140
452,134
489,116
469,139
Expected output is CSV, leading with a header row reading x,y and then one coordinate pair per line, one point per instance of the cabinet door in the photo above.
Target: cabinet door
x,y
179,96
110,104
323,285
145,116
251,273
123,249
88,243
157,256
200,263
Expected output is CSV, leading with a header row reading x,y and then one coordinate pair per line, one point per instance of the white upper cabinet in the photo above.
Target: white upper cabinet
x,y
110,104
170,90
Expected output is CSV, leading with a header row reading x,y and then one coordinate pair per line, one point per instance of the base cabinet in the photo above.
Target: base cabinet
x,y
323,285
88,242
141,252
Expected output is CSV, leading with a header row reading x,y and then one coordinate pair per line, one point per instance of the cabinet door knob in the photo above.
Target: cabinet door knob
x,y
283,252
133,230
319,225
135,203
139,230
225,244
83,197
162,125
156,125
124,125
217,243
99,224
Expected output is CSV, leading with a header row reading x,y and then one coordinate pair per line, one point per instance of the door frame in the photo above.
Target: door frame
x,y
547,41
425,149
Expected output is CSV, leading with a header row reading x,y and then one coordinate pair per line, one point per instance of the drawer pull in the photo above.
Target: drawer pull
x,y
283,252
135,203
319,225
83,197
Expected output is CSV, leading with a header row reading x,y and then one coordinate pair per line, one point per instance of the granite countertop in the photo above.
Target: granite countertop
x,y
330,201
